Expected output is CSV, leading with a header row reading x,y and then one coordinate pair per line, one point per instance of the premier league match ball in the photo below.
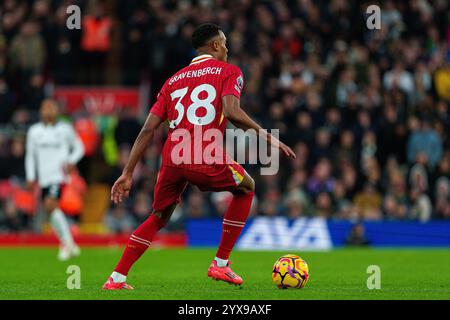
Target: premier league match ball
x,y
290,271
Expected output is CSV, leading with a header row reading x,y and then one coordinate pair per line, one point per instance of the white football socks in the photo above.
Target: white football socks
x,y
61,227
118,277
221,262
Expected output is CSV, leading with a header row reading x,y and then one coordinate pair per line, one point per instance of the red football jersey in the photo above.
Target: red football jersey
x,y
191,101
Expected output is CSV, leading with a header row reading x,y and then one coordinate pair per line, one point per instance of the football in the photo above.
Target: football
x,y
290,271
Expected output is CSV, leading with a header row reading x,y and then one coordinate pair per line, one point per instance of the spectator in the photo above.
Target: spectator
x,y
16,158
345,211
134,56
425,145
393,209
6,101
127,128
323,205
418,178
345,87
95,44
367,203
221,201
119,220
321,179
322,145
270,203
297,204
345,151
357,236
142,207
399,78
28,67
442,81
65,48
196,206
389,135
28,40
421,206
442,198
13,219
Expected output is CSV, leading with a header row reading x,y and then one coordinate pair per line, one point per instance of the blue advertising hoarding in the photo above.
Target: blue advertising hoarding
x,y
280,233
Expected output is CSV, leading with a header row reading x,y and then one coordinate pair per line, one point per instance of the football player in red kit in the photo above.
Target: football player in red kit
x,y
198,98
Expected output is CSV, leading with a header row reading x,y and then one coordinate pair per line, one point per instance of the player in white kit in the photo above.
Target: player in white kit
x,y
52,151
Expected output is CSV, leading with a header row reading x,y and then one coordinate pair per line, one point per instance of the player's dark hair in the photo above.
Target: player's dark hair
x,y
203,34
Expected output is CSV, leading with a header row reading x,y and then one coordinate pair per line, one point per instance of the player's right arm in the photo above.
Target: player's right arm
x,y
157,115
121,188
30,160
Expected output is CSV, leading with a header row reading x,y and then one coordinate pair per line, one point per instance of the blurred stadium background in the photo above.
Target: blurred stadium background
x,y
367,111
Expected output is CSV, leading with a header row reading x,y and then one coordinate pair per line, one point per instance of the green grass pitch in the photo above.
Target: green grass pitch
x,y
34,273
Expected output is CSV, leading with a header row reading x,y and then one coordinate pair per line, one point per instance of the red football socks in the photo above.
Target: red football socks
x,y
233,223
139,241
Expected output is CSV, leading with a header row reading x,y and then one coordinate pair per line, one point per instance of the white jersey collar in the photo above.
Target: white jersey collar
x,y
201,58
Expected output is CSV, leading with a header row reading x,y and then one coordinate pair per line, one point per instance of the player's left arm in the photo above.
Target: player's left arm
x,y
76,146
30,160
231,106
234,113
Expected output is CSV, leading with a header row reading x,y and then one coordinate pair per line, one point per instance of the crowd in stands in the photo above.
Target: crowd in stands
x,y
366,111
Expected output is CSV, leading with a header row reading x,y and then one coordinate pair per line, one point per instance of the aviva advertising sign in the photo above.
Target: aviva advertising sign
x,y
265,233
280,233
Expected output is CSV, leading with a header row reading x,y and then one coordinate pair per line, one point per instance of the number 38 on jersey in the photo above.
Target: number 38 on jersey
x,y
196,102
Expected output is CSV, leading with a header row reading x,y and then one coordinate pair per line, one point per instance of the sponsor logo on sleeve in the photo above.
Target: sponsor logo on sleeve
x,y
239,84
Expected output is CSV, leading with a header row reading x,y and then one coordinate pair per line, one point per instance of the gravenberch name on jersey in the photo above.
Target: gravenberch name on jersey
x,y
195,73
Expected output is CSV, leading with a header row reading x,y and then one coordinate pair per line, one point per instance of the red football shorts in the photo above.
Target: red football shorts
x,y
172,181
